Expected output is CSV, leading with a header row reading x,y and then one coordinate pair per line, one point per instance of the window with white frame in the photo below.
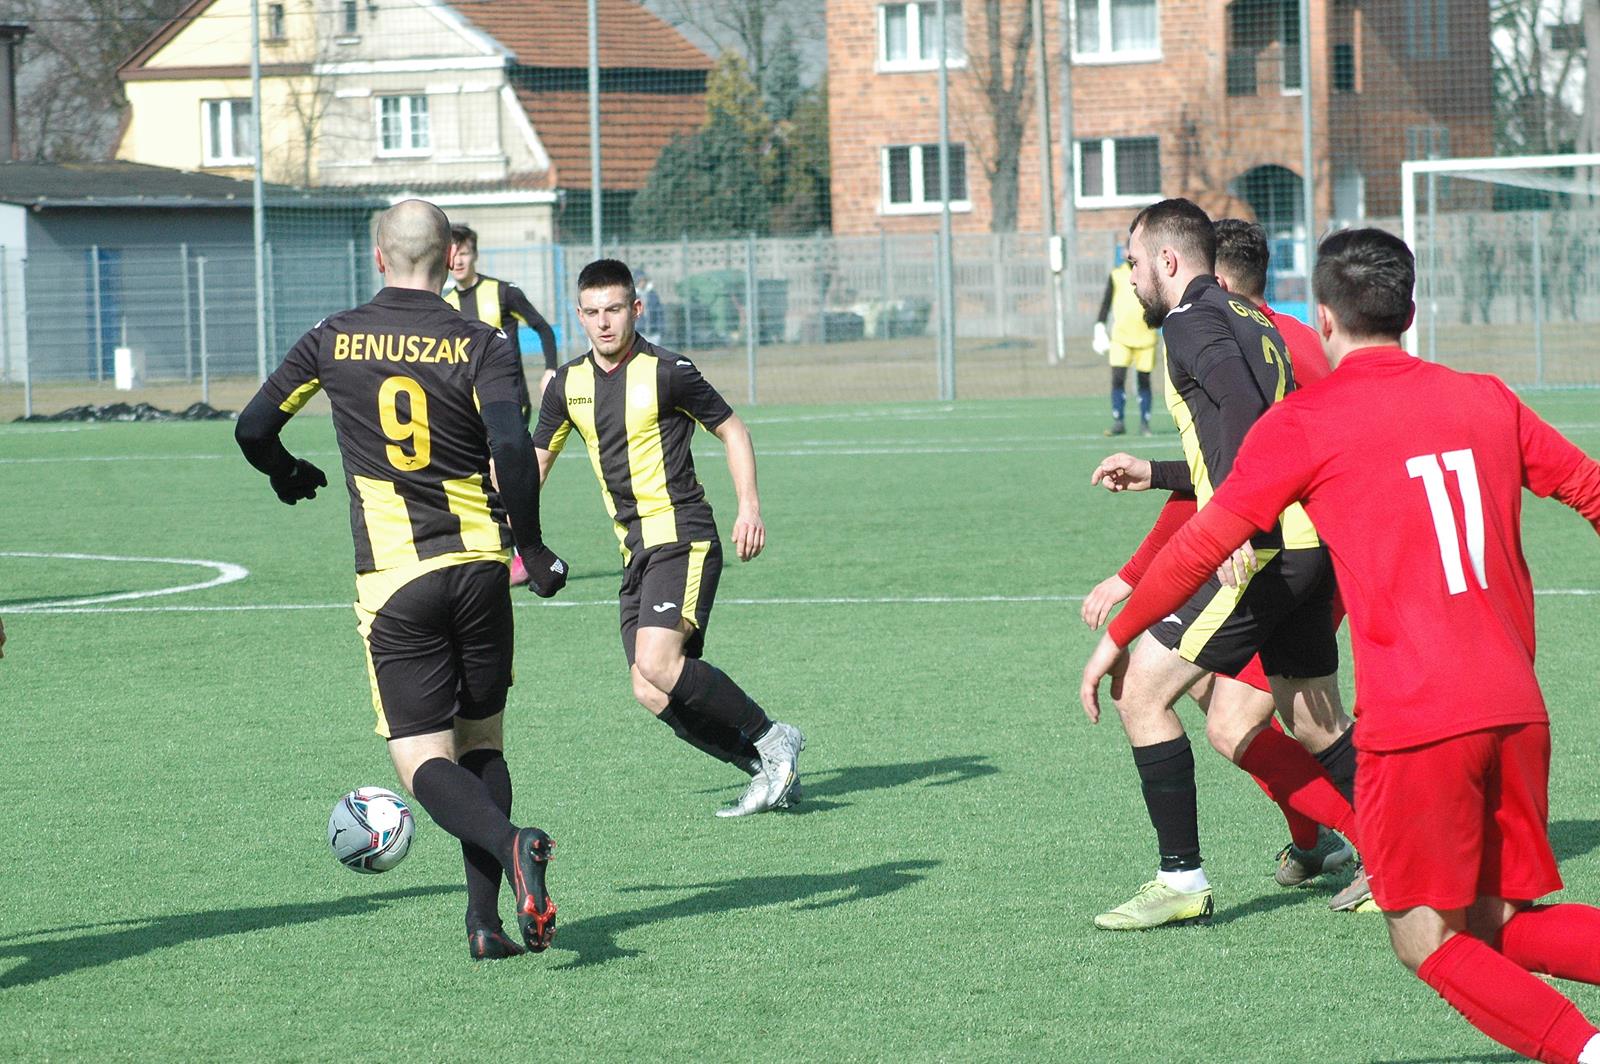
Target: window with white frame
x,y
908,35
403,125
349,18
911,178
230,132
275,22
1119,171
1115,31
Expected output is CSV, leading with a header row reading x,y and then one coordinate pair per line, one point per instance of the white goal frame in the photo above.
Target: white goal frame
x,y
1408,193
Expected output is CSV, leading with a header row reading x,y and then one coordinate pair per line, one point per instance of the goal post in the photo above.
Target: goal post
x,y
1508,265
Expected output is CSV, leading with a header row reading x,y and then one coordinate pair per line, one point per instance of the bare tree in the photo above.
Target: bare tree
x,y
753,28
1538,57
1000,72
70,100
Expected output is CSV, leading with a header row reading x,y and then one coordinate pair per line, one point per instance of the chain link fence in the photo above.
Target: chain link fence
x,y
774,174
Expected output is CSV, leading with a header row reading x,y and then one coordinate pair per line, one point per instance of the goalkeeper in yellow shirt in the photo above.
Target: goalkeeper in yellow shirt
x,y
1128,341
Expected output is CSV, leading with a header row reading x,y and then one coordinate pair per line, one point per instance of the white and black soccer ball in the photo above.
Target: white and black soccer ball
x,y
370,830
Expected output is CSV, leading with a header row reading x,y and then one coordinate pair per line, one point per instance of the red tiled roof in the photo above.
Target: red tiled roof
x,y
555,33
634,127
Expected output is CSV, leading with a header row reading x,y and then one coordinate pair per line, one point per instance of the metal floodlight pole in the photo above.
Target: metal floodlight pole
x,y
947,314
257,214
188,326
752,313
1538,301
5,321
1047,180
1068,247
205,350
1308,186
594,127
99,329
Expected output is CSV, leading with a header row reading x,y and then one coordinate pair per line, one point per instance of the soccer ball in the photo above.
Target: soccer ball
x,y
370,830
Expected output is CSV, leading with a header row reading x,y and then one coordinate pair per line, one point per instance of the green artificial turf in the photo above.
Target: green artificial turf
x,y
171,760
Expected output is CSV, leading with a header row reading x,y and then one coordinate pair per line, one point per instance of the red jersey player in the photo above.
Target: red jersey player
x,y
1413,474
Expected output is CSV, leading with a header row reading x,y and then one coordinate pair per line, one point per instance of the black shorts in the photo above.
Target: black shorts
x,y
1284,613
667,584
438,648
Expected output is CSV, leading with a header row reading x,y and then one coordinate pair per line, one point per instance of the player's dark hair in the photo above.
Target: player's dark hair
x,y
1366,276
461,235
1243,252
1181,224
606,273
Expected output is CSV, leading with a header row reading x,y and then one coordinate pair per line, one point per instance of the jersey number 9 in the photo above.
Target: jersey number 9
x,y
413,429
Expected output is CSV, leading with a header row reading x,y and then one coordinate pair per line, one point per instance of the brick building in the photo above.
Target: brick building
x,y
1199,98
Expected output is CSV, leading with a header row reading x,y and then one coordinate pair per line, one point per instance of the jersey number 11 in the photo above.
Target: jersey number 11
x,y
1428,468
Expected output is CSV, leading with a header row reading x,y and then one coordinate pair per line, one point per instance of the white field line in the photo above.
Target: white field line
x,y
225,573
841,600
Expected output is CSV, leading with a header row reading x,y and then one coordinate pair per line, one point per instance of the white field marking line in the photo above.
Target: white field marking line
x,y
805,449
226,573
839,448
841,600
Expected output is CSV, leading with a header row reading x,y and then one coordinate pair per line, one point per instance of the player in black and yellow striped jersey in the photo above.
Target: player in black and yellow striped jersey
x,y
497,303
635,406
1227,364
422,399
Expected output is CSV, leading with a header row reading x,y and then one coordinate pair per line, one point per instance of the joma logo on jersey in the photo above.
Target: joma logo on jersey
x,y
1250,312
579,400
389,347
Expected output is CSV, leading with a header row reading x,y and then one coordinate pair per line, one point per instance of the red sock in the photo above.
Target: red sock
x,y
1506,1003
1293,778
1559,940
1302,829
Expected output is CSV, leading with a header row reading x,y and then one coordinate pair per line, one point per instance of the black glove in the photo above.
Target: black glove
x,y
299,483
547,573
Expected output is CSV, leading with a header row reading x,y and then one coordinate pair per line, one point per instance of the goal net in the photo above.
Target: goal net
x,y
1508,265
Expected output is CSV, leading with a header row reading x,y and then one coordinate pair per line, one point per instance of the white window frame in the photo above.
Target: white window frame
x,y
408,112
919,204
228,153
914,28
1108,175
1104,56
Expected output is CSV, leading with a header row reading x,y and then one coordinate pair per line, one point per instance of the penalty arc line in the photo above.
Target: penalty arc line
x,y
226,573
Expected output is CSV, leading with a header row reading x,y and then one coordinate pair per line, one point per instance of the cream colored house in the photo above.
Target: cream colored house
x,y
455,102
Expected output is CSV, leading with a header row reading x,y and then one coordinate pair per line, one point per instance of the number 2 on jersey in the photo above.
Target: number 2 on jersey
x,y
1269,350
1427,467
413,429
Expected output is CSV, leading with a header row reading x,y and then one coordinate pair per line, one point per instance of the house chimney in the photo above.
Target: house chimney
x,y
11,34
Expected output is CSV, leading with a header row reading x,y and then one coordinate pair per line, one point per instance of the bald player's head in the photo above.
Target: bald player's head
x,y
414,245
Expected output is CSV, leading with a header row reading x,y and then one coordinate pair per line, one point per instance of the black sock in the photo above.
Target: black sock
x,y
461,803
483,870
718,740
707,691
1340,761
1166,774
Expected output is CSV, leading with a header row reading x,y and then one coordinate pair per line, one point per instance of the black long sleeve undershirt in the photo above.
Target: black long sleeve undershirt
x,y
256,433
517,473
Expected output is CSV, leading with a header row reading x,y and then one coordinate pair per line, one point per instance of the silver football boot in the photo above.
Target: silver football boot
x,y
780,760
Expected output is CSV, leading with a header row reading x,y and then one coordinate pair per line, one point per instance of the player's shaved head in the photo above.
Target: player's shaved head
x,y
1365,278
414,237
1243,257
1179,224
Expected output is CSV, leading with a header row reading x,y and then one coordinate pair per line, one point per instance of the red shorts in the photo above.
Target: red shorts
x,y
1452,821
